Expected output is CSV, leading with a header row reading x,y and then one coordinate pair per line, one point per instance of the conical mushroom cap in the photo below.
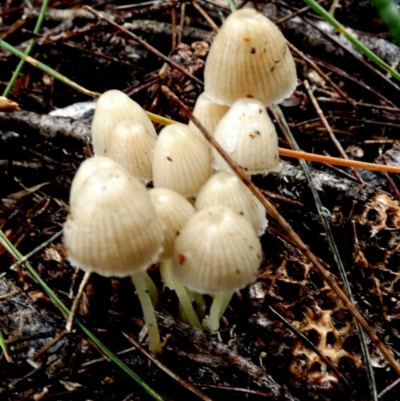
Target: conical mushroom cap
x,y
86,169
174,210
217,252
208,113
226,189
249,58
113,228
132,146
113,107
181,160
248,135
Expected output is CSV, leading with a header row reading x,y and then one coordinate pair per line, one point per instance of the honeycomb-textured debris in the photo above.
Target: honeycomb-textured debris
x,y
309,305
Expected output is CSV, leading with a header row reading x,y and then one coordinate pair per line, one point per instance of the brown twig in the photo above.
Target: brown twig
x,y
311,63
145,45
328,129
169,372
273,212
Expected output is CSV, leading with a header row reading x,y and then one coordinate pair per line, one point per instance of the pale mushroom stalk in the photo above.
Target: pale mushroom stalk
x,y
217,252
218,307
182,295
113,230
150,288
140,280
174,210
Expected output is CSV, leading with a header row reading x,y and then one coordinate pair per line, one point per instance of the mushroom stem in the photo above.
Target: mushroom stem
x,y
199,301
219,304
182,294
140,280
151,288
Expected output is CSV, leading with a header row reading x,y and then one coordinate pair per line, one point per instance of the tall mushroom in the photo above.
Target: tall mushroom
x,y
217,253
113,230
249,58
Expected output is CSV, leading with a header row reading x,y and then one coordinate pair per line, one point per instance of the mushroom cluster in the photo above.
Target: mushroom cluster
x,y
116,227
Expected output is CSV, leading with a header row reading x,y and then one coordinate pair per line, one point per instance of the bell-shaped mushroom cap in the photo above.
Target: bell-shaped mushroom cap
x,y
132,146
113,107
86,169
181,160
248,135
113,228
208,113
217,252
249,58
226,189
174,210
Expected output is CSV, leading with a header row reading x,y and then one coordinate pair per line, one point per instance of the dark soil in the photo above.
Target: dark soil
x,y
287,336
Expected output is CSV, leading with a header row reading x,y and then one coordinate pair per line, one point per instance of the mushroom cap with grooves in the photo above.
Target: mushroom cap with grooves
x,y
227,189
113,107
174,210
113,228
181,160
132,146
86,169
208,113
217,252
248,135
249,58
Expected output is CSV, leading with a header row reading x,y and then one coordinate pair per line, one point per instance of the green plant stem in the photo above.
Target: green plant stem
x,y
231,5
13,50
355,42
29,48
65,311
3,346
390,14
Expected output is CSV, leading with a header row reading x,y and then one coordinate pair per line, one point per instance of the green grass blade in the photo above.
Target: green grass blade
x,y
355,42
29,49
65,311
13,50
3,346
390,15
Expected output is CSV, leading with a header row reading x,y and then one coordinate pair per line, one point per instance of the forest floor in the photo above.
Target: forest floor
x,y
286,336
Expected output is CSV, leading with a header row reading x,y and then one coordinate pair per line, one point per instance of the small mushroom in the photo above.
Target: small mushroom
x,y
226,189
249,57
217,253
174,210
208,113
113,230
181,160
132,146
113,107
248,135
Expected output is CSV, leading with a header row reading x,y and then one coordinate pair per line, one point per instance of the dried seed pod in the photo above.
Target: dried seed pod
x,y
217,252
226,189
249,58
86,169
208,113
181,160
132,146
113,228
174,210
113,107
248,135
